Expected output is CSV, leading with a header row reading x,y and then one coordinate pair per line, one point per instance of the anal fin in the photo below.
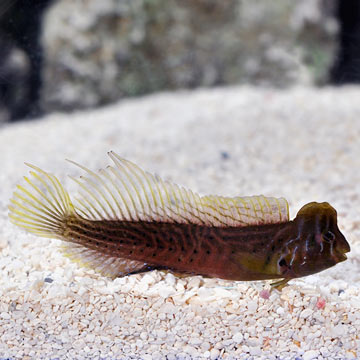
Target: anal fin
x,y
104,264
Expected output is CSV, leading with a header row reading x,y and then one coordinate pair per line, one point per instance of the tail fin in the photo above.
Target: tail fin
x,y
42,205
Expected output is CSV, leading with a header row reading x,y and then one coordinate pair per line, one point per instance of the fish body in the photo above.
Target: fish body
x,y
126,221
182,248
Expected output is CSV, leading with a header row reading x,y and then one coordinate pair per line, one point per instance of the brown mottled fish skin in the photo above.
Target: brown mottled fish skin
x,y
125,221
308,244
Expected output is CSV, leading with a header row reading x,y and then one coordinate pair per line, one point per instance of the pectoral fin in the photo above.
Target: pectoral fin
x,y
279,285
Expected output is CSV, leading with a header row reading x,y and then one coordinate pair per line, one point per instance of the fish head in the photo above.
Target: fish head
x,y
315,244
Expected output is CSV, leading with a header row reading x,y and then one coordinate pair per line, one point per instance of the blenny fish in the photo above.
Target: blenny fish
x,y
125,221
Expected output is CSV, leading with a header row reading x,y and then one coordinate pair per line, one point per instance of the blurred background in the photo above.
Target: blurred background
x,y
64,55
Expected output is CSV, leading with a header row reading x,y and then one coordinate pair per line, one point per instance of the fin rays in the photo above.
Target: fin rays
x,y
42,205
104,264
124,191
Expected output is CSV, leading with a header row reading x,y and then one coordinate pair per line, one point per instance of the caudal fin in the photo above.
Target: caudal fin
x,y
42,205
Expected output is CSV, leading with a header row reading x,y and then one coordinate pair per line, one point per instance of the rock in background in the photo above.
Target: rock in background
x,y
100,51
21,56
14,80
346,69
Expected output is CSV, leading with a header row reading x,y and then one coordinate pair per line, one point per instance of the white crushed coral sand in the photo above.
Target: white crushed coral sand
x,y
303,144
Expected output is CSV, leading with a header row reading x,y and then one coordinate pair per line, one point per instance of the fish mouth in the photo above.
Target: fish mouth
x,y
340,252
340,257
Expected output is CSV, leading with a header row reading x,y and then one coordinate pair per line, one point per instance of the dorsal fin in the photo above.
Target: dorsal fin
x,y
124,191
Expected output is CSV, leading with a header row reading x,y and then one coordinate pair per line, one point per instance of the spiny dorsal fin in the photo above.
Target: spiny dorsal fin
x,y
124,191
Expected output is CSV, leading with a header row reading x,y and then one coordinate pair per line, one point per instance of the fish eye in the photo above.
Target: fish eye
x,y
329,236
282,263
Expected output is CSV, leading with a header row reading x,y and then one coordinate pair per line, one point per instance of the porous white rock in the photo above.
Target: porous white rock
x,y
306,313
214,353
238,337
310,355
252,305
